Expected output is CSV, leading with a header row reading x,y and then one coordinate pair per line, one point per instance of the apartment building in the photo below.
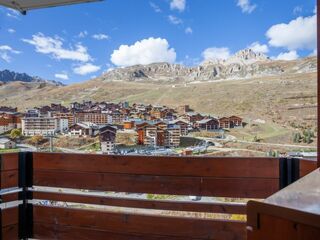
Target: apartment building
x,y
184,126
96,118
32,113
117,117
173,134
44,125
9,121
158,134
147,133
151,137
63,125
69,116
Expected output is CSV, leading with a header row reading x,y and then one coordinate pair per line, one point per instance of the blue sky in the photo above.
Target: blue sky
x,y
75,43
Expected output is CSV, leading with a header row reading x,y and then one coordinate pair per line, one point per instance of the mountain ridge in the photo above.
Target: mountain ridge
x,y
244,64
7,76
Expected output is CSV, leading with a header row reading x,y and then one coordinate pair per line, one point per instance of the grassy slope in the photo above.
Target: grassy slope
x,y
266,98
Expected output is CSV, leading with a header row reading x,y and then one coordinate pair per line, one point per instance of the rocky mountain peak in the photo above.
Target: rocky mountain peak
x,y
248,54
244,64
242,57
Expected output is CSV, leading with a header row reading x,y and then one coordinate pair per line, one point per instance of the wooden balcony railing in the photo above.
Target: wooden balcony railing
x,y
292,213
23,173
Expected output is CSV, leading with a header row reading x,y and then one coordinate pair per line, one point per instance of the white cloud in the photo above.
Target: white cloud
x,y
86,69
54,48
246,6
315,9
11,13
8,48
291,55
259,48
216,53
82,34
155,7
145,51
188,30
297,10
11,30
62,76
174,20
6,51
100,36
300,33
179,5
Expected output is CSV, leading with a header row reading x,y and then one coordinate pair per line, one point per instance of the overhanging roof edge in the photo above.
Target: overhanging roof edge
x,y
41,4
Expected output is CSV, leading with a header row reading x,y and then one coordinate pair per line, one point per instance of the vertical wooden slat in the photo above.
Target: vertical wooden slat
x,y
306,167
9,165
9,223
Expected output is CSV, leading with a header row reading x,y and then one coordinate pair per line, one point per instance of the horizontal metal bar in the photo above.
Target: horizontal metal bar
x,y
10,191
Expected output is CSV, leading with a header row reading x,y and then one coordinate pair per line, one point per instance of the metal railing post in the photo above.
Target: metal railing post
x,y
25,181
289,171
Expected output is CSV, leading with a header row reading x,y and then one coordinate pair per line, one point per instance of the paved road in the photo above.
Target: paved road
x,y
27,148
67,150
218,149
232,138
278,144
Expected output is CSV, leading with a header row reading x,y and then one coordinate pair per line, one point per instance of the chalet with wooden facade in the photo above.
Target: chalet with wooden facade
x,y
184,126
107,137
230,122
84,129
207,124
192,117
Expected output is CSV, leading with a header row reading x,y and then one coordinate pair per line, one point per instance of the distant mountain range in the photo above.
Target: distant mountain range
x,y
7,76
244,64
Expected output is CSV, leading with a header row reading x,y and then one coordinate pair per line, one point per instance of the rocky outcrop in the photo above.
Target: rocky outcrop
x,y
244,64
